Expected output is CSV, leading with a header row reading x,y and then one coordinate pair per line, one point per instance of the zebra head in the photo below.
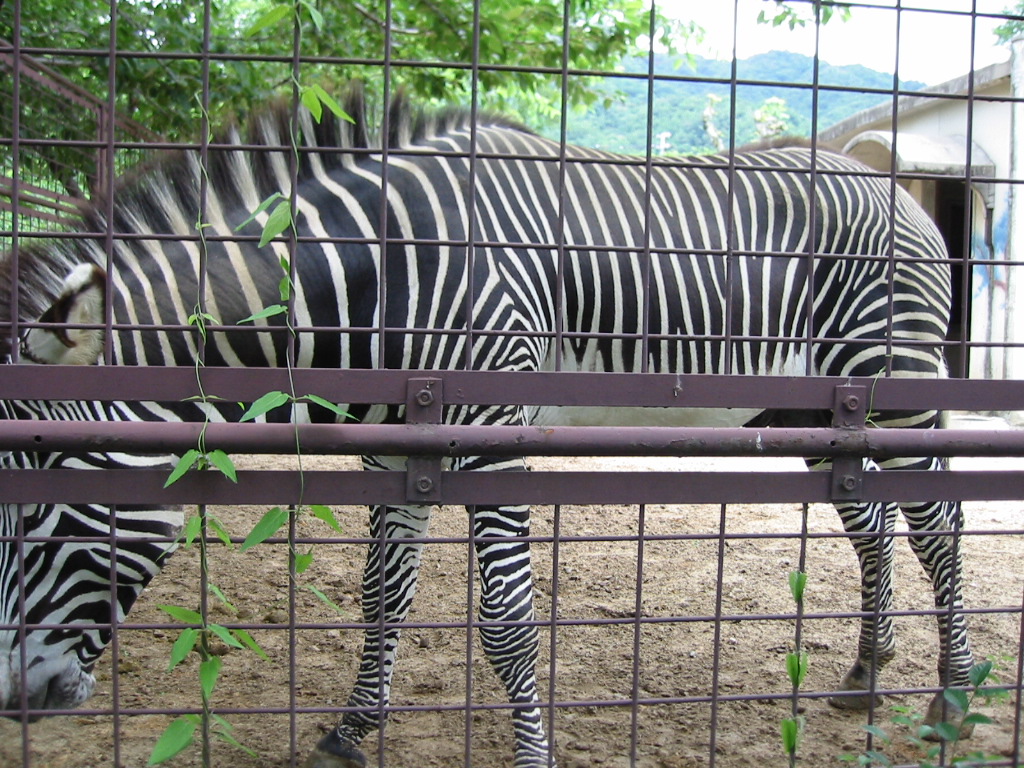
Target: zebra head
x,y
69,572
81,302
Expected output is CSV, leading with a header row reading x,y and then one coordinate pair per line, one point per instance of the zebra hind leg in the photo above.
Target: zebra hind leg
x,y
870,527
404,528
940,556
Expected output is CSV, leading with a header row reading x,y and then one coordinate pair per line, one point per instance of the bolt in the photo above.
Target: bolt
x,y
849,482
425,397
424,484
851,403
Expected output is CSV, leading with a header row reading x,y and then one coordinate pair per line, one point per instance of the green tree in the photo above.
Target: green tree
x,y
771,119
1009,29
430,44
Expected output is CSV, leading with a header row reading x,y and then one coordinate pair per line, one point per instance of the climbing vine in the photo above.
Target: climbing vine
x,y
277,214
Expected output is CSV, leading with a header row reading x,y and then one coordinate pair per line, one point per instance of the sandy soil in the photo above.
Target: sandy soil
x,y
596,580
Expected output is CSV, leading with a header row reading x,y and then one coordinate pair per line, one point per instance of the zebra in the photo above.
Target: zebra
x,y
65,560
539,256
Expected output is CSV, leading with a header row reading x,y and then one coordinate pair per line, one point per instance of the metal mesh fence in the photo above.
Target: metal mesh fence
x,y
662,556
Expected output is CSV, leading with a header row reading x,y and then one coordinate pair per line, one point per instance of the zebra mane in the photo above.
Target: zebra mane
x,y
163,195
244,177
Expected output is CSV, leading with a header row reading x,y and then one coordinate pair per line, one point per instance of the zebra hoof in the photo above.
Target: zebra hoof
x,y
332,752
857,682
940,710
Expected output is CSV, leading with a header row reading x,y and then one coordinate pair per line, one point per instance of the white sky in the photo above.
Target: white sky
x,y
934,46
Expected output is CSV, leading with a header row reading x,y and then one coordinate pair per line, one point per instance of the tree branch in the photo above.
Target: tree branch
x,y
366,13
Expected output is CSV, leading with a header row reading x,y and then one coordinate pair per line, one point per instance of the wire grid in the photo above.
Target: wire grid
x,y
632,712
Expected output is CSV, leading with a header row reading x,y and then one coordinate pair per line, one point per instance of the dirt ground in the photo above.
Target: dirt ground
x,y
594,665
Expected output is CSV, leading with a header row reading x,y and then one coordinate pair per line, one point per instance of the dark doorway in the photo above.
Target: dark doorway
x,y
953,201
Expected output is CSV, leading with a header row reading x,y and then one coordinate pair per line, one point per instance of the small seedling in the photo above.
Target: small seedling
x,y
920,736
792,728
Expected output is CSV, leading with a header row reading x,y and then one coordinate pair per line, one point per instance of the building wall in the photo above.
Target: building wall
x,y
994,291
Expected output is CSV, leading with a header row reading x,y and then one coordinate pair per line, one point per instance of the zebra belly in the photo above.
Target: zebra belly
x,y
626,416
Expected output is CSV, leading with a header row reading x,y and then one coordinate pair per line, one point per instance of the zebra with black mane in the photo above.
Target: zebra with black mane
x,y
522,255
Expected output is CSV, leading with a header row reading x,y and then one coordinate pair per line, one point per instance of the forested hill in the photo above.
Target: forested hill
x,y
679,105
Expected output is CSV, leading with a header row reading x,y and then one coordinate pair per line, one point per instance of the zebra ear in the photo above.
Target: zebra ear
x,y
82,301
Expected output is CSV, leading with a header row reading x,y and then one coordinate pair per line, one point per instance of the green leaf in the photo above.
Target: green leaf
x,y
335,409
976,718
957,698
947,731
223,462
311,102
183,646
222,533
790,734
265,404
325,513
268,525
325,599
315,16
273,309
224,634
303,561
176,738
192,529
249,642
260,209
185,463
224,734
284,288
209,669
877,732
874,756
980,673
796,667
277,222
200,320
797,582
328,101
269,19
220,595
184,615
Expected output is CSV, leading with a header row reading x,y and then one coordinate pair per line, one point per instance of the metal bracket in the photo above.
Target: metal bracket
x,y
423,404
849,411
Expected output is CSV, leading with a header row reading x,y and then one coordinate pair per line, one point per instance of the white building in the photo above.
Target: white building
x,y
952,150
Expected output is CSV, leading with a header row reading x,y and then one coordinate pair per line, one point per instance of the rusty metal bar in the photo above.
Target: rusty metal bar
x,y
540,488
520,387
467,440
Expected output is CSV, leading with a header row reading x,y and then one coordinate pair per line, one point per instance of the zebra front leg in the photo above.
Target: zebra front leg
x,y
507,596
404,528
870,527
941,559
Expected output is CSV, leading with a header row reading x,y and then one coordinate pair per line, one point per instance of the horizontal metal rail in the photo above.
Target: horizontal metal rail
x,y
467,440
23,382
539,488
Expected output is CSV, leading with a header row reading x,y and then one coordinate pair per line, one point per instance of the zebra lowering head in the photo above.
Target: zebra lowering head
x,y
57,600
779,261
